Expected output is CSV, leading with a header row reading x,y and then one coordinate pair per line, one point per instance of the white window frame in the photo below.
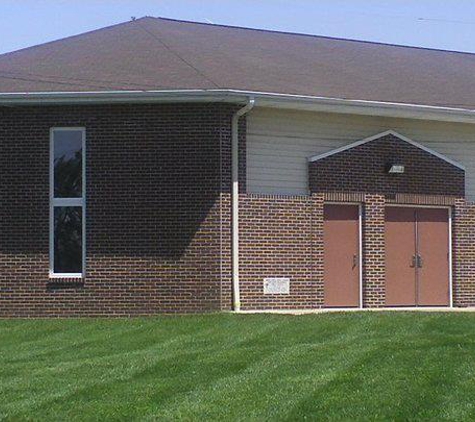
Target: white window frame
x,y
66,202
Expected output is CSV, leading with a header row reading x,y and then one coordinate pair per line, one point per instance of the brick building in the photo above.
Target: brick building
x,y
166,166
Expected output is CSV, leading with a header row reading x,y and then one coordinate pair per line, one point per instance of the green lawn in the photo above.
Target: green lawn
x,y
354,366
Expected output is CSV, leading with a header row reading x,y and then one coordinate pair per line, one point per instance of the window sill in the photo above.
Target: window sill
x,y
66,276
58,281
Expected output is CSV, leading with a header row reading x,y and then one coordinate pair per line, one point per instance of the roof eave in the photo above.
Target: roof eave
x,y
365,107
263,99
120,96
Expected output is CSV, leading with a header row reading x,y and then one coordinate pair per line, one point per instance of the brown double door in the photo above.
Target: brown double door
x,y
417,256
341,255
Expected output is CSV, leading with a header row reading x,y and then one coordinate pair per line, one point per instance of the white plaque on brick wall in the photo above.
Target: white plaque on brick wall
x,y
277,286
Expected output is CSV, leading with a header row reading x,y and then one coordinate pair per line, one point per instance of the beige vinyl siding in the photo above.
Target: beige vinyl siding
x,y
279,143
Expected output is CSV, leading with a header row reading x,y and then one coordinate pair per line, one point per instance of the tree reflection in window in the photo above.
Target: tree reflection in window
x,y
67,239
68,164
68,201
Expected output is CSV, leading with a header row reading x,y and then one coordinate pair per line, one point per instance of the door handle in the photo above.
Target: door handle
x,y
413,261
419,261
355,260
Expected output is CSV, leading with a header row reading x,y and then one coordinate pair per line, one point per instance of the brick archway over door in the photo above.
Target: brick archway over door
x,y
358,173
362,169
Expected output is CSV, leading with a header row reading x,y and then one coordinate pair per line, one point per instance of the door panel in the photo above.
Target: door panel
x,y
433,249
400,239
423,234
341,255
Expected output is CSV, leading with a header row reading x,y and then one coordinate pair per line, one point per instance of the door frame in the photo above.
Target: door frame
x,y
449,210
360,246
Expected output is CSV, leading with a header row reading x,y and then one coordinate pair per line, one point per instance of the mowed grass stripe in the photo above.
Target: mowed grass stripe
x,y
360,366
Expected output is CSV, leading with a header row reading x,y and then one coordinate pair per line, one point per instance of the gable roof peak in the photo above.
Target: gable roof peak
x,y
380,135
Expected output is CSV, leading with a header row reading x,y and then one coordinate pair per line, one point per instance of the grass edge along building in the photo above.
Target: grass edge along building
x,y
162,166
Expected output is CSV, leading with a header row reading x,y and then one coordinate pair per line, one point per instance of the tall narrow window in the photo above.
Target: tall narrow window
x,y
67,212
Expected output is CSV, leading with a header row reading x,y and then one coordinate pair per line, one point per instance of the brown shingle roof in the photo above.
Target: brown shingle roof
x,y
157,53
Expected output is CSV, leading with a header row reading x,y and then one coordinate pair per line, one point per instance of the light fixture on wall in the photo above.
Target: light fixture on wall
x,y
394,168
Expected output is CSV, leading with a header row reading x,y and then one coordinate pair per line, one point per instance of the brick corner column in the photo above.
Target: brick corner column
x,y
317,200
374,291
463,253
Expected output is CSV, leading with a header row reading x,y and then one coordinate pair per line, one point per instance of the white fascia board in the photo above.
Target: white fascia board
x,y
365,108
119,97
263,99
381,135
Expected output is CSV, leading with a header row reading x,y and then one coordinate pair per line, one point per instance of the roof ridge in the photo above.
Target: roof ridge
x,y
302,34
157,38
244,28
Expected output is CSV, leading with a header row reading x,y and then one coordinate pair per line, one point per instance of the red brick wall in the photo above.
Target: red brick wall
x,y
374,291
154,232
464,253
281,236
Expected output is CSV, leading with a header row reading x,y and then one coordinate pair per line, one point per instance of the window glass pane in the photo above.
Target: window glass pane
x,y
67,163
68,239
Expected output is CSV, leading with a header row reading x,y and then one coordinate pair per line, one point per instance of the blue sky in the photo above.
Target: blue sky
x,y
445,24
